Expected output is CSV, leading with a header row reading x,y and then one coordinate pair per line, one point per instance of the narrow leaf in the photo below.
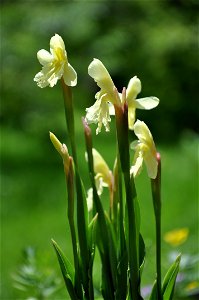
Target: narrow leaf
x,y
91,245
170,279
154,294
142,252
122,267
82,226
112,250
67,271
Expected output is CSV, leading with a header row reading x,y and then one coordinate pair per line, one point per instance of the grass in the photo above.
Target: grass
x,y
34,202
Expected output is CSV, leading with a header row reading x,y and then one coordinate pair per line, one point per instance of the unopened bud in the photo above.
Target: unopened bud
x,y
61,148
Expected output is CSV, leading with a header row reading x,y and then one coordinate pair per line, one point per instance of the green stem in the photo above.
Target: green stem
x,y
69,114
70,190
158,256
132,239
156,194
123,146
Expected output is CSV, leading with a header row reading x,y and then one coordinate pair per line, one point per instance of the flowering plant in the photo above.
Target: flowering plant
x,y
116,233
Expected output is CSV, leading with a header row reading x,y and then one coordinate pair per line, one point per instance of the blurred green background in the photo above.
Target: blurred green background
x,y
155,40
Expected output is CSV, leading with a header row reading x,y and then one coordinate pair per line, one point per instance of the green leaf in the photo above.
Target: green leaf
x,y
170,279
82,218
133,234
91,245
154,294
67,271
142,253
102,239
121,288
92,232
112,249
82,226
137,211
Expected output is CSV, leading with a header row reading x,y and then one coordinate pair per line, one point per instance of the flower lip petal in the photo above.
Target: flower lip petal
x,y
111,109
147,102
136,168
44,57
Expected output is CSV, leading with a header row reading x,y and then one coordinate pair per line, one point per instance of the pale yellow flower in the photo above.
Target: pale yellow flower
x,y
103,177
145,151
99,112
55,65
133,89
176,237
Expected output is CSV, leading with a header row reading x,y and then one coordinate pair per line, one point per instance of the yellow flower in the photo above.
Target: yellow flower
x,y
176,237
99,112
103,177
145,151
192,286
55,65
133,89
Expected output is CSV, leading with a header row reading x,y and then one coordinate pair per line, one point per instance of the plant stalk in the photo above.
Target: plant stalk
x,y
123,146
156,195
69,114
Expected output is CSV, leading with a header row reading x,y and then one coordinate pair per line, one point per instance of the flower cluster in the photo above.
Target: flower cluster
x,y
56,66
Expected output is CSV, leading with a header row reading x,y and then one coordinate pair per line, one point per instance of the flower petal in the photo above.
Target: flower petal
x,y
134,145
97,70
133,88
92,112
99,73
99,113
136,168
99,184
89,199
142,132
147,102
111,109
41,80
151,164
101,168
57,42
70,75
44,57
131,116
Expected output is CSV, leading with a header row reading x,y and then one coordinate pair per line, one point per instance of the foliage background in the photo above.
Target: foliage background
x,y
155,40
